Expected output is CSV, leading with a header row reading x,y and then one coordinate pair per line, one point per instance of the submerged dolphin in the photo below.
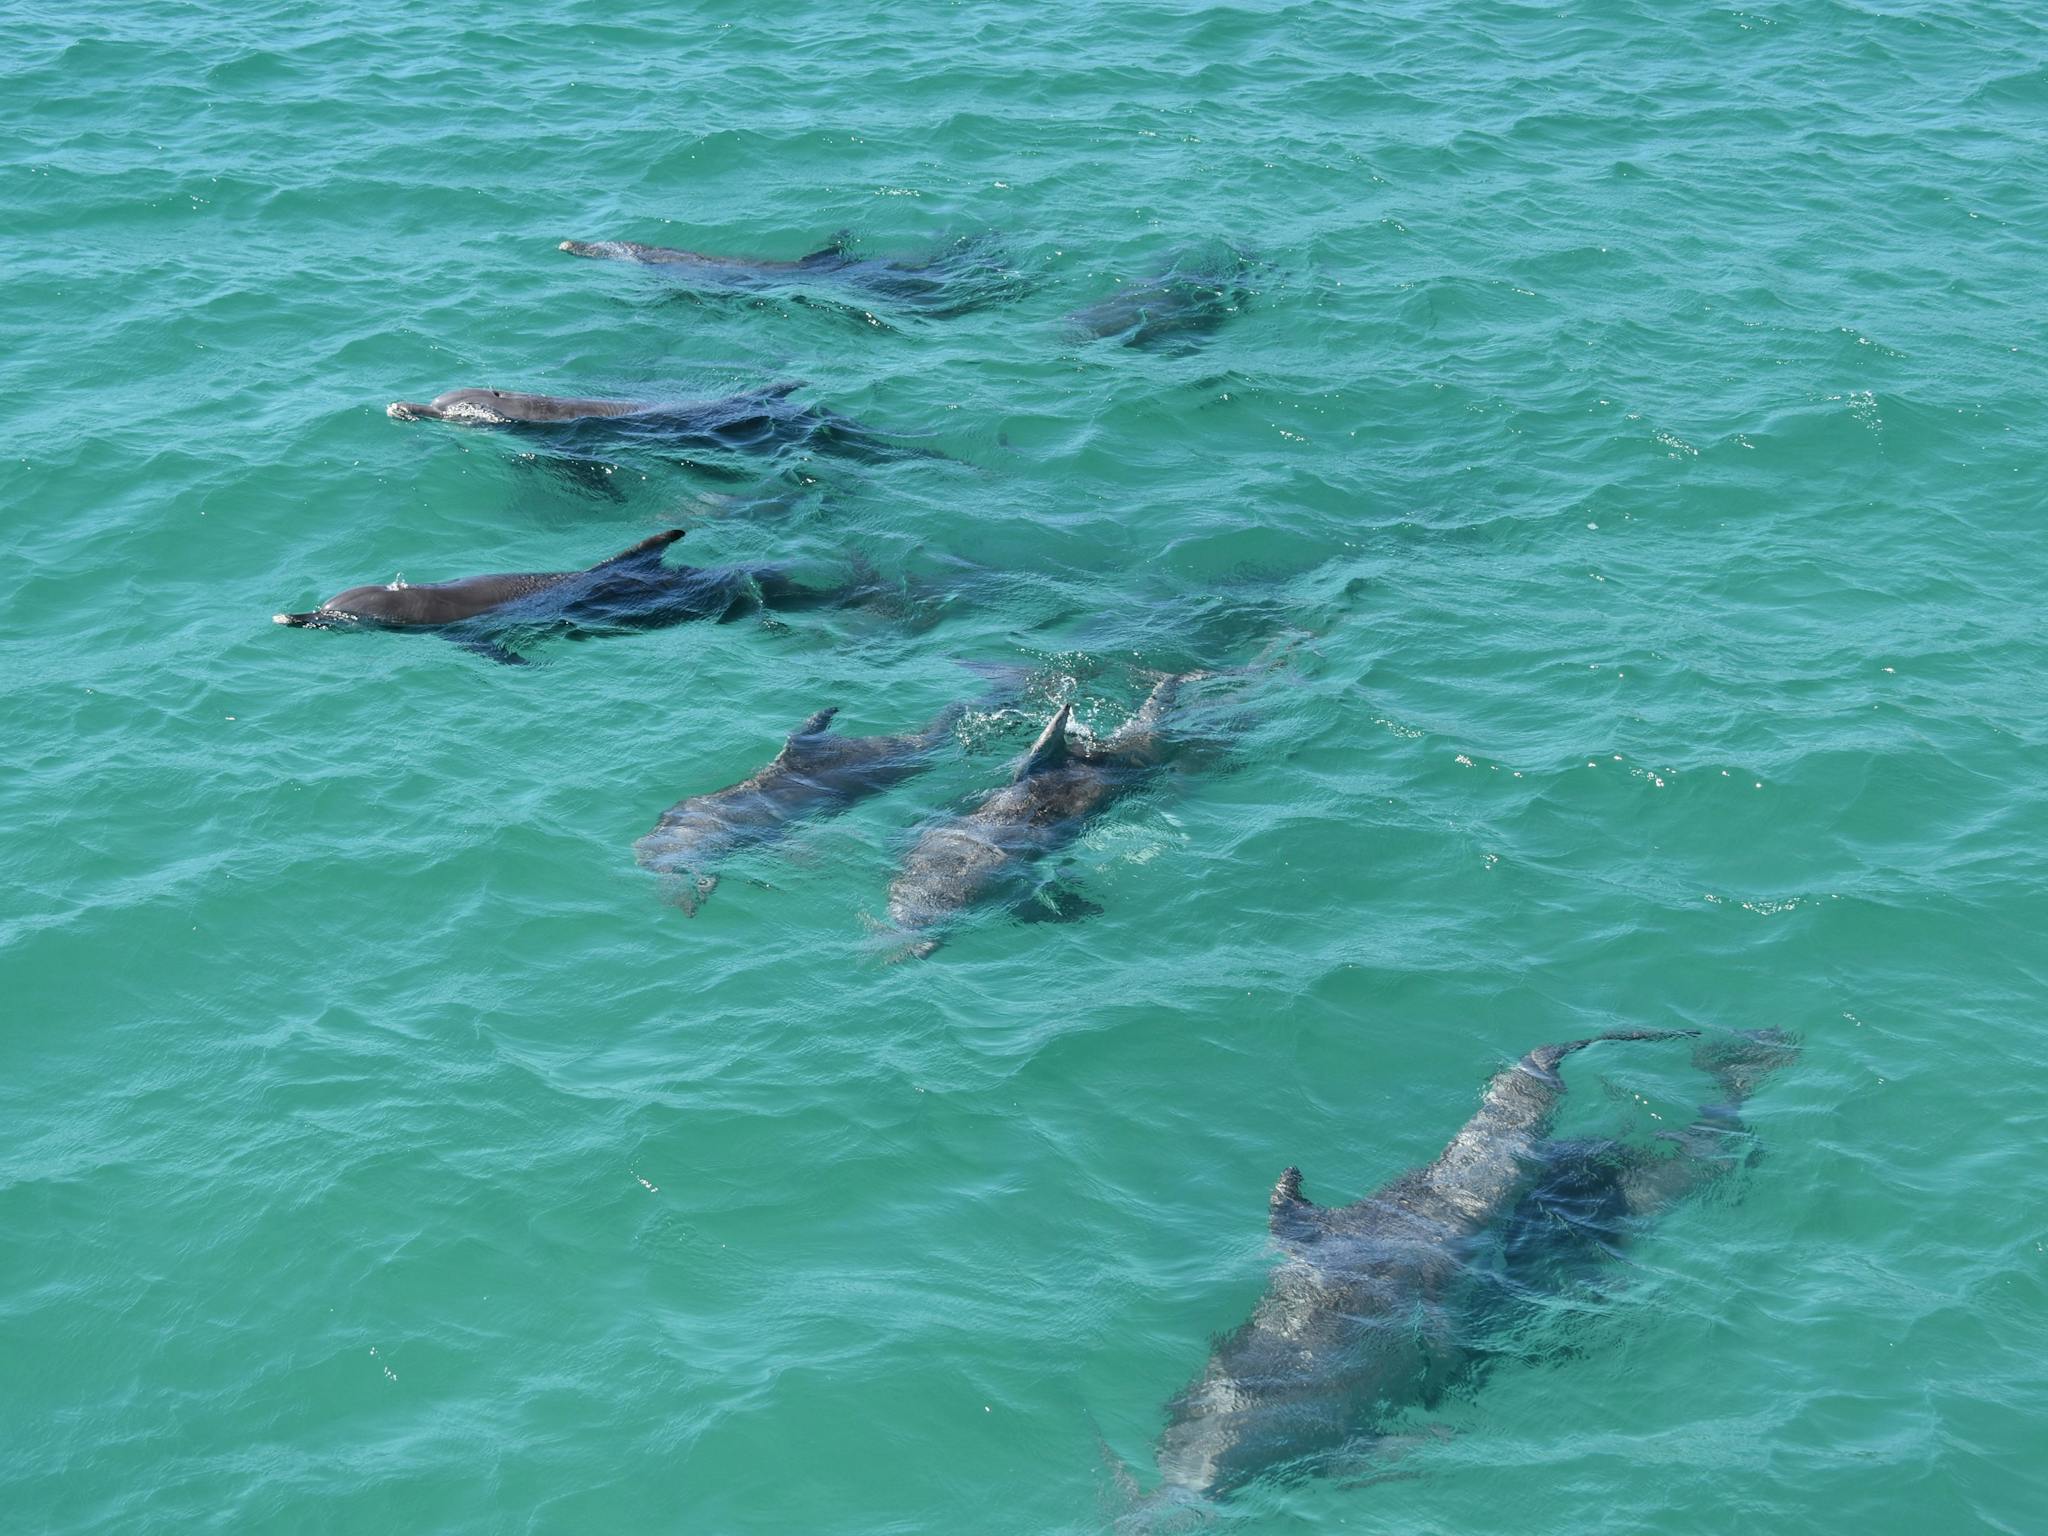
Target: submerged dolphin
x,y
633,590
1187,301
1592,1197
965,275
757,421
817,773
1369,1314
1059,784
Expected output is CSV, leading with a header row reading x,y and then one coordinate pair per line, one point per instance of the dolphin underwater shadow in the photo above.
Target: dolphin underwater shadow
x,y
1180,307
1057,786
1369,1315
966,274
633,590
818,773
757,421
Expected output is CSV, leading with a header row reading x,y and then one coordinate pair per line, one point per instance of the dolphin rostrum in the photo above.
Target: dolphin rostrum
x,y
757,421
1057,786
817,773
487,614
1363,1318
964,275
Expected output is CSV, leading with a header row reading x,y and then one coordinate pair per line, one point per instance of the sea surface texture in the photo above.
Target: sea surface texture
x,y
1605,492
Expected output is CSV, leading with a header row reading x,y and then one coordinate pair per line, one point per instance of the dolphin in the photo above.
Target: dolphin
x,y
1057,786
1362,1318
630,591
756,421
817,773
967,274
1182,305
830,258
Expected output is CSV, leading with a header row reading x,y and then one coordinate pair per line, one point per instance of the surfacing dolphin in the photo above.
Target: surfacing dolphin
x,y
817,773
632,590
967,274
756,421
1057,786
1368,1314
1181,306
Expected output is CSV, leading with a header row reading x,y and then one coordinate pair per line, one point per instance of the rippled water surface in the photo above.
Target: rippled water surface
x,y
1612,512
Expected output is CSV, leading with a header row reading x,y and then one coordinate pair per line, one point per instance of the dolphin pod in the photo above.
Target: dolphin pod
x,y
817,773
1370,1312
633,590
1376,1308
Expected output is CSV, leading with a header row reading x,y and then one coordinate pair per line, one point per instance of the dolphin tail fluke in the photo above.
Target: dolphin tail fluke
x,y
1740,1062
1717,1144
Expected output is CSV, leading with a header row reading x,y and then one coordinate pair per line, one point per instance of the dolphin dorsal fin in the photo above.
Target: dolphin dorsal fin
x,y
646,552
1294,1220
833,250
817,725
1050,750
806,734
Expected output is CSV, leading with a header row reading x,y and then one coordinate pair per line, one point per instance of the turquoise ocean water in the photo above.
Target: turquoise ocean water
x,y
1635,438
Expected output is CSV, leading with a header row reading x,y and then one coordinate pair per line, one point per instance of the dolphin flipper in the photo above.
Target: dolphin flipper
x,y
591,475
1055,902
490,650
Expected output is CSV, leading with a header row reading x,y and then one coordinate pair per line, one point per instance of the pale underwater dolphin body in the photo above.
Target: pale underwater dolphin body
x,y
756,421
1193,297
631,591
817,773
967,274
1057,787
1368,1313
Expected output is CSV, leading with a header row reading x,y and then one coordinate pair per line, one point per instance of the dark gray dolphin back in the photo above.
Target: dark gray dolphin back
x,y
1360,1322
1485,1166
817,773
438,604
